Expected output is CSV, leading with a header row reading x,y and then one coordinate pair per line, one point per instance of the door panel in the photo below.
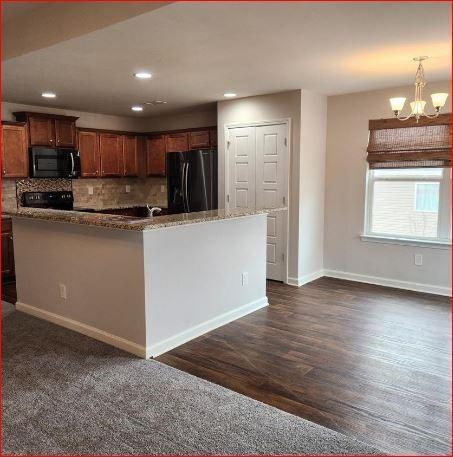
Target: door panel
x,y
130,155
65,133
110,150
271,188
89,154
241,155
258,178
177,142
155,150
14,151
42,131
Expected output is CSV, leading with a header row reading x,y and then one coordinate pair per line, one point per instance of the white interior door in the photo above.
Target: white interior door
x,y
258,178
241,155
271,189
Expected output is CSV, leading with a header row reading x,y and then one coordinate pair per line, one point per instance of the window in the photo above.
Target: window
x,y
412,203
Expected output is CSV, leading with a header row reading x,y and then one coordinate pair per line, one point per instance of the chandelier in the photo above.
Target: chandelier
x,y
418,105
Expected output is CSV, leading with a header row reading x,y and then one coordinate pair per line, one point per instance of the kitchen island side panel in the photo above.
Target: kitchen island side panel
x,y
201,276
101,269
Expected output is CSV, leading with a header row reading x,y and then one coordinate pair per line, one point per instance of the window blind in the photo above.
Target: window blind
x,y
396,144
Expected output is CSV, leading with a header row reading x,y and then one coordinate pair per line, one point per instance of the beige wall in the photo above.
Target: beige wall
x,y
347,137
312,184
267,108
205,118
91,120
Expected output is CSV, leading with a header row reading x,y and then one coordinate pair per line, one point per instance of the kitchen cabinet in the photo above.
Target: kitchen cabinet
x,y
7,250
155,153
65,133
130,155
49,129
111,152
14,150
89,154
199,139
213,138
177,142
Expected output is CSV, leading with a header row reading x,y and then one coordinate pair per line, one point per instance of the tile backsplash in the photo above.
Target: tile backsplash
x,y
105,192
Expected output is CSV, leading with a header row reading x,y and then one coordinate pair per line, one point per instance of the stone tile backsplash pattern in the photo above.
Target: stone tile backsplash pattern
x,y
107,193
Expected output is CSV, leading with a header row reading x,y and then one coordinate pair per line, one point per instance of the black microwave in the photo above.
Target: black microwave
x,y
54,162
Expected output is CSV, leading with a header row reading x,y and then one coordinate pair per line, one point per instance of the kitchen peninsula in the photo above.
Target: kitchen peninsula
x,y
143,285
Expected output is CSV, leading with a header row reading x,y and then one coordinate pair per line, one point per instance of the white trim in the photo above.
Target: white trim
x,y
282,121
302,280
406,242
84,329
159,348
387,282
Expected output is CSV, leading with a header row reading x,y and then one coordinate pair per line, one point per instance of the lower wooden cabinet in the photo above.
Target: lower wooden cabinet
x,y
155,155
111,153
14,151
7,250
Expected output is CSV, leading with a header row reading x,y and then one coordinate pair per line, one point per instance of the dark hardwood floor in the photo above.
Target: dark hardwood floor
x,y
370,362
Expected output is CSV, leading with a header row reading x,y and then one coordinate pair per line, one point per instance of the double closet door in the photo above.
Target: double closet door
x,y
257,177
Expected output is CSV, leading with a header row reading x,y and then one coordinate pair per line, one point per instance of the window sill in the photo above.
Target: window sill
x,y
406,242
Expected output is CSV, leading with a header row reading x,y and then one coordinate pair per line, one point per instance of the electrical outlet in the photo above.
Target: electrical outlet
x,y
418,259
63,293
128,188
162,189
90,190
245,278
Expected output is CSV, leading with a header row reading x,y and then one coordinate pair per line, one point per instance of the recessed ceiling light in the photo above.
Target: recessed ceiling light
x,y
48,95
143,75
156,102
137,108
229,95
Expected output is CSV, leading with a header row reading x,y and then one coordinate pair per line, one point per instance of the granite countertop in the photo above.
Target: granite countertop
x,y
133,223
116,206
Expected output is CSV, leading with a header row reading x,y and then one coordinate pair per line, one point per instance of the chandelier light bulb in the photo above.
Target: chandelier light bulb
x,y
397,103
439,100
418,107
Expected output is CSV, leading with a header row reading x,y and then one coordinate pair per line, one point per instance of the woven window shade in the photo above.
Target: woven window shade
x,y
395,144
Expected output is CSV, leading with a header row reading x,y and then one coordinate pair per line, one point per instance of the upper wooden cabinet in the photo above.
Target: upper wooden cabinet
x,y
65,133
155,154
177,142
49,129
130,155
14,151
89,154
199,139
111,152
213,138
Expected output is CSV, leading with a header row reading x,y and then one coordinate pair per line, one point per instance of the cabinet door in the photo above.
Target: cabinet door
x,y
213,137
130,155
7,250
155,152
65,135
177,142
89,154
14,151
199,139
111,152
42,131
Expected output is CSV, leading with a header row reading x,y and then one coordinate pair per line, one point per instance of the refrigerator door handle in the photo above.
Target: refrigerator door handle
x,y
185,187
183,174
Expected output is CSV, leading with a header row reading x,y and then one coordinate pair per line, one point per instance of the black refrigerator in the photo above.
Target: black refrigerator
x,y
192,181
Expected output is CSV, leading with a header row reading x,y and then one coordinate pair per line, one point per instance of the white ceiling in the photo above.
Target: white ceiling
x,y
198,51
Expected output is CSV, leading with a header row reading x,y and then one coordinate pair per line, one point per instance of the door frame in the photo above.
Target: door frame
x,y
283,121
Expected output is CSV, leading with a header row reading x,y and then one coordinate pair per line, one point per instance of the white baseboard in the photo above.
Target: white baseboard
x,y
305,279
166,345
85,329
407,285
